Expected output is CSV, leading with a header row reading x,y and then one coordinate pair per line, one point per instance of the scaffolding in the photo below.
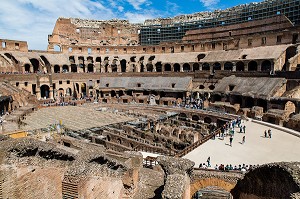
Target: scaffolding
x,y
168,30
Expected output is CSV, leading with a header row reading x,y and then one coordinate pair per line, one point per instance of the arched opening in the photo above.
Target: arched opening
x,y
266,65
65,68
205,66
228,66
73,68
196,67
56,69
249,102
47,63
45,89
35,64
195,118
262,103
108,138
158,67
252,66
168,67
186,67
27,68
83,89
113,93
149,67
176,67
240,66
211,188
123,65
90,68
236,99
211,87
207,120
200,56
201,87
217,66
69,92
182,116
57,48
60,92
114,67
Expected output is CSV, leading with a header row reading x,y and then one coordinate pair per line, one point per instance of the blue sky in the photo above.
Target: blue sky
x,y
33,20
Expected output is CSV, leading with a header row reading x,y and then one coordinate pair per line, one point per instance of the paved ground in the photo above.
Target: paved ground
x,y
256,150
73,117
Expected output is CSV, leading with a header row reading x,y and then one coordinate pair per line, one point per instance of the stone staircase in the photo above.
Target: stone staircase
x,y
69,188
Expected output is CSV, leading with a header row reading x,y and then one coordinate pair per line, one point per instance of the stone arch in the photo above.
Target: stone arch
x,y
90,68
149,67
73,68
240,66
263,182
168,67
35,64
210,182
123,65
290,107
252,66
176,67
186,67
68,91
207,120
45,91
60,92
182,116
228,66
65,68
205,66
195,118
158,67
200,56
47,63
196,66
83,89
266,65
217,66
249,102
56,69
27,68
114,67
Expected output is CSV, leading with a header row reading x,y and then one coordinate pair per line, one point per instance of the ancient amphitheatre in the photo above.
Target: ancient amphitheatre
x,y
115,92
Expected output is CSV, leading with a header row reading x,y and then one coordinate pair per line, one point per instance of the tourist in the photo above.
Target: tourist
x,y
244,139
216,167
230,140
208,161
270,133
265,133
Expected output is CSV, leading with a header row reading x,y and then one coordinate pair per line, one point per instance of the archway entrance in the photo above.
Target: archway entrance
x,y
83,89
252,66
168,67
176,67
266,65
123,65
240,66
45,89
199,186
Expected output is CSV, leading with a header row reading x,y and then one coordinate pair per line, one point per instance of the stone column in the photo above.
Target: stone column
x,y
234,66
177,177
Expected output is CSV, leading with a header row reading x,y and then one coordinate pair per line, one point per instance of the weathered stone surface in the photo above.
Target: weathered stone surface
x,y
173,165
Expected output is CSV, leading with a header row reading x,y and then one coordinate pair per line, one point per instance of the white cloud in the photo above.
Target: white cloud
x,y
137,3
120,8
33,20
210,4
137,17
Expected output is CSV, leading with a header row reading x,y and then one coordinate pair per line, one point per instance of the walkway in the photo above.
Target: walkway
x,y
256,150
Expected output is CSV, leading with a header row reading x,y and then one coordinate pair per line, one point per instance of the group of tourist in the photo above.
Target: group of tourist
x,y
228,167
